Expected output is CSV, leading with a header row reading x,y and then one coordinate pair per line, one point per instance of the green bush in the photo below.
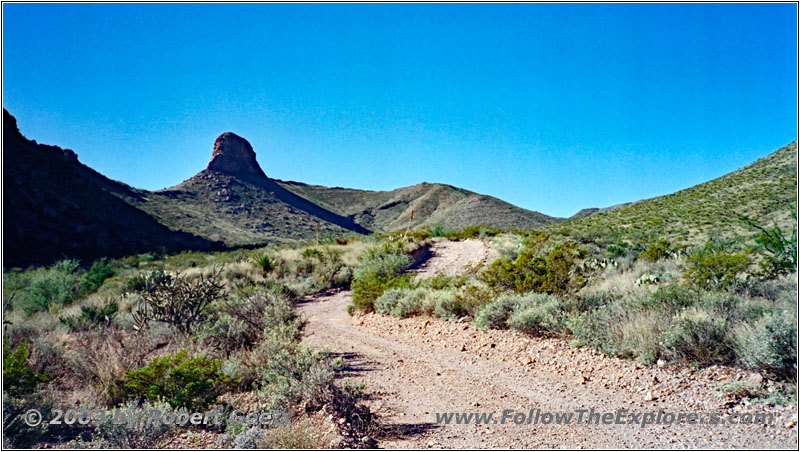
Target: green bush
x,y
697,335
388,300
616,250
554,273
439,230
715,267
292,373
778,250
181,381
413,302
656,250
545,315
380,269
98,273
447,305
19,379
769,344
495,314
57,285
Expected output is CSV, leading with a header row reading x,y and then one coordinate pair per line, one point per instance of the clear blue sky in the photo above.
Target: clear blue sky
x,y
551,107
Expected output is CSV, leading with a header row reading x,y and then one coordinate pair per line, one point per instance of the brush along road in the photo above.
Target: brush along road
x,y
415,368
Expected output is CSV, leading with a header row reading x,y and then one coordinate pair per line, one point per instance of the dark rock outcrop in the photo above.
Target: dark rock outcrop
x,y
55,207
234,155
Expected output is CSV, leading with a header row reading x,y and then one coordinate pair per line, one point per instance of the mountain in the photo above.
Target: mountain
x,y
233,201
55,207
432,204
764,191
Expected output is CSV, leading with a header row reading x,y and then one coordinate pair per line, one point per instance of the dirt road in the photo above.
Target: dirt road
x,y
415,368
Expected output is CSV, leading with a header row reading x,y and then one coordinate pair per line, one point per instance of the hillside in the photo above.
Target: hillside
x,y
433,204
765,191
233,201
54,206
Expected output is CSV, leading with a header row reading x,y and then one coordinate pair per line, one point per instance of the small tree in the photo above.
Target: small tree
x,y
779,251
177,300
714,267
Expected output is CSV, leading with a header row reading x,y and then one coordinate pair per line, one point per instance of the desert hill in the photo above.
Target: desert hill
x,y
54,206
764,191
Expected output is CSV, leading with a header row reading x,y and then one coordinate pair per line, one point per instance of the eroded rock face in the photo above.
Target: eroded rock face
x,y
235,156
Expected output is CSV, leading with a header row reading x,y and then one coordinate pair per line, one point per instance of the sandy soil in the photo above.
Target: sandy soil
x,y
414,368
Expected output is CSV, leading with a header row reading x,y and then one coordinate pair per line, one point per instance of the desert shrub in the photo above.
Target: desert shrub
x,y
740,389
715,267
616,250
92,316
380,269
56,285
545,314
473,295
265,262
179,380
97,274
136,435
769,344
474,231
697,335
439,230
292,374
101,357
656,250
555,273
177,300
639,335
18,378
413,302
446,305
778,250
330,263
669,298
17,433
240,320
20,383
495,314
388,300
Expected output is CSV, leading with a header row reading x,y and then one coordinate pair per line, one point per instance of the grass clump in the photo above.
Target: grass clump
x,y
91,316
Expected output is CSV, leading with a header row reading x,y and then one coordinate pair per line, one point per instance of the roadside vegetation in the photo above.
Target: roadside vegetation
x,y
192,331
730,302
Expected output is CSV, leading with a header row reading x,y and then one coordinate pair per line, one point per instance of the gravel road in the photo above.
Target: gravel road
x,y
416,367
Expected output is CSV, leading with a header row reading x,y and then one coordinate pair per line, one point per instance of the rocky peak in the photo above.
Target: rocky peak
x,y
235,156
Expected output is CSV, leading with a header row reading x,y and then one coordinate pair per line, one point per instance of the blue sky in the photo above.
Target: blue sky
x,y
550,107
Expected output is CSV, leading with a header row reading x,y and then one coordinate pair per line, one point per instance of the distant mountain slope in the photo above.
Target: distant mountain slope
x,y
56,207
233,201
765,191
433,204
